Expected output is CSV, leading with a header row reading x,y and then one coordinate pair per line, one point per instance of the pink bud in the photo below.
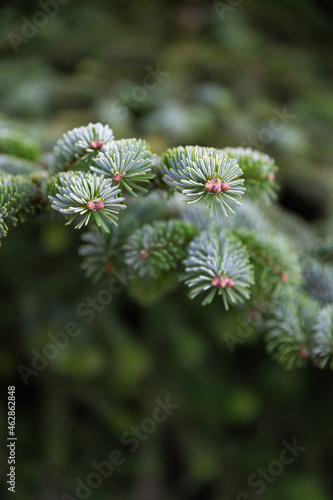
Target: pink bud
x,y
303,352
108,268
117,177
99,205
143,254
252,314
225,186
214,186
223,282
96,144
216,281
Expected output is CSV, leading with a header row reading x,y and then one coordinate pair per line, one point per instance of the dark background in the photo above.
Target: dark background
x,y
229,70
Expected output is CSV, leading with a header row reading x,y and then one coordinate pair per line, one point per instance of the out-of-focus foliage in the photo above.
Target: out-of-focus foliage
x,y
255,75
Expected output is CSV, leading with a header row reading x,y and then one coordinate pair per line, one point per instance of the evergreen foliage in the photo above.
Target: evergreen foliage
x,y
204,173
290,329
258,171
17,143
319,280
322,340
77,147
217,262
16,200
159,246
88,196
103,253
169,232
16,166
275,263
127,162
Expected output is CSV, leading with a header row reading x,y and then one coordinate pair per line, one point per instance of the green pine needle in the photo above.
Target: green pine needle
x,y
322,340
189,170
128,162
218,263
159,246
289,330
74,193
259,171
74,148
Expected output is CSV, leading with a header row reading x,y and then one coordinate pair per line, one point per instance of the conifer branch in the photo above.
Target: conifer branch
x,y
319,280
275,263
204,173
17,194
289,330
17,166
103,253
161,241
16,143
87,196
322,340
77,147
159,246
259,171
126,162
218,263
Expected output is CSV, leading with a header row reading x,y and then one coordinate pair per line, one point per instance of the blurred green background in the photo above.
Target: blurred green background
x,y
249,73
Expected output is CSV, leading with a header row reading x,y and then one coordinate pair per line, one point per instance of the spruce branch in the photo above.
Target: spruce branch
x,y
128,162
3,215
159,246
275,263
204,173
251,216
103,253
281,221
218,263
319,280
16,200
158,235
322,339
17,143
87,196
289,330
77,147
154,206
259,171
17,166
